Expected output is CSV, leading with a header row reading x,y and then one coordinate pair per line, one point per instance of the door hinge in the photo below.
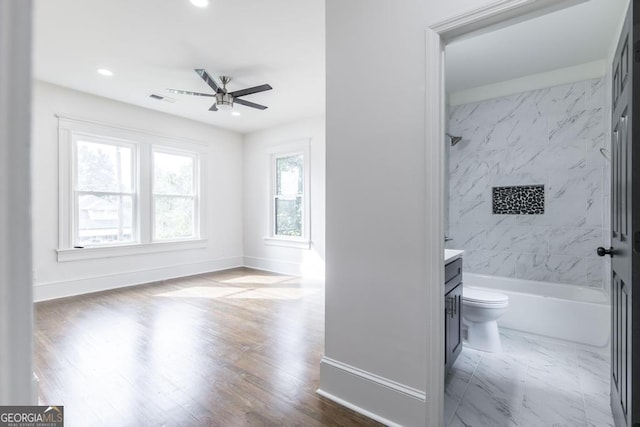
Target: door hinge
x,y
449,306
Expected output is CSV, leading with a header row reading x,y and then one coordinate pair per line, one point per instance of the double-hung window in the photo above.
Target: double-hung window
x,y
104,196
126,192
174,195
290,213
289,195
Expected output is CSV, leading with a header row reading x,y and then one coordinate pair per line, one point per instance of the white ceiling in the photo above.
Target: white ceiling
x,y
577,35
154,45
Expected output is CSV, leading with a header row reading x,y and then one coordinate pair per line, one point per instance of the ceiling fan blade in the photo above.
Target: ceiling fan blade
x,y
208,79
249,104
214,107
186,92
250,90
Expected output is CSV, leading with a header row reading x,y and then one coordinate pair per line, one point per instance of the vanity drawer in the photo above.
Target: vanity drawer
x,y
453,273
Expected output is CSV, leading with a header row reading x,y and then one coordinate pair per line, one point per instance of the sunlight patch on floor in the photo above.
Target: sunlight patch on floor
x,y
201,292
274,293
258,279
239,293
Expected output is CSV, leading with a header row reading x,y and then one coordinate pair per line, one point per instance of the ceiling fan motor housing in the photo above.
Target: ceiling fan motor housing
x,y
224,99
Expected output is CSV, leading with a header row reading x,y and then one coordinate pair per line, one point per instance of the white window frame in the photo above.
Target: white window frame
x,y
195,196
287,150
75,221
69,129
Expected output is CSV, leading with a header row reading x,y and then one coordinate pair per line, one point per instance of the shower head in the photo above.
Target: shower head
x,y
454,139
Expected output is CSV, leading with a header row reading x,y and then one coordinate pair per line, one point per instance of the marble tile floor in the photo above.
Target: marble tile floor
x,y
535,381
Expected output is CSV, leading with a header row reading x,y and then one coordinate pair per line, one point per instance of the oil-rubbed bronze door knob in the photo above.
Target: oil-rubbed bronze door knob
x,y
602,251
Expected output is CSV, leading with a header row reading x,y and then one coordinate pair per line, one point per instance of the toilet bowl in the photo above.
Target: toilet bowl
x,y
480,312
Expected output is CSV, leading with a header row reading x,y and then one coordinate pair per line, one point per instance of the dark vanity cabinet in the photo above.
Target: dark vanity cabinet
x,y
452,312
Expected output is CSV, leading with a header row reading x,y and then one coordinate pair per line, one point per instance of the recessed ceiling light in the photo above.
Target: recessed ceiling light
x,y
235,113
200,3
105,72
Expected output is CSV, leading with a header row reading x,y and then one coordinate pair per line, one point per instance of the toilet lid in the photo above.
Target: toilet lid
x,y
478,295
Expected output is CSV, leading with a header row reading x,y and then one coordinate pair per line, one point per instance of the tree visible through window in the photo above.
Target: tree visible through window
x,y
126,191
104,193
173,195
288,197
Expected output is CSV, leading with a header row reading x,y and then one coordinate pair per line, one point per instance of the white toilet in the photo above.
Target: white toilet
x,y
480,311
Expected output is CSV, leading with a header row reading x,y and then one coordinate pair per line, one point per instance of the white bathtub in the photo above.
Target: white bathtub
x,y
571,313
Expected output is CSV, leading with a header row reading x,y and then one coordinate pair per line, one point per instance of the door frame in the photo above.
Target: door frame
x,y
475,21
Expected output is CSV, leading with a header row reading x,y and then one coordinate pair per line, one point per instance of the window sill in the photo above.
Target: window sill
x,y
80,254
288,243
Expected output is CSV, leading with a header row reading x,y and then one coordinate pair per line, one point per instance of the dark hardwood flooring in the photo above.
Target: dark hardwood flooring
x,y
234,348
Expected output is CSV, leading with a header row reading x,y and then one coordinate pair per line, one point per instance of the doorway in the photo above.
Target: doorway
x,y
448,35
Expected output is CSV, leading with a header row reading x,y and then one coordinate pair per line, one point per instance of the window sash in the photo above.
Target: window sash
x,y
275,229
81,137
76,237
279,230
194,218
77,192
194,194
194,172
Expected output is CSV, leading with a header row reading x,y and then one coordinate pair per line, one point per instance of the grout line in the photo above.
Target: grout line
x,y
529,350
530,343
473,374
580,380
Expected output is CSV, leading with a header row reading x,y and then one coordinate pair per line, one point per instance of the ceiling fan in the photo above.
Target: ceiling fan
x,y
224,98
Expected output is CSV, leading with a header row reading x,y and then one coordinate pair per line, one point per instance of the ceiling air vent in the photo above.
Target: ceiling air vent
x,y
162,98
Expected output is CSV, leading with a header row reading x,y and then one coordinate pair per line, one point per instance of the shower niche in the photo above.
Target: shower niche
x,y
518,200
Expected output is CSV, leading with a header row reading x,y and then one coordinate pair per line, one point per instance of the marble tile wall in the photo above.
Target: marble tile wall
x,y
553,137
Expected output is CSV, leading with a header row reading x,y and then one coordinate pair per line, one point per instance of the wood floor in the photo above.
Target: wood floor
x,y
234,348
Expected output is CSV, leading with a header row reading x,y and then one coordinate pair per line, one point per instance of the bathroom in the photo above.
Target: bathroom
x,y
527,197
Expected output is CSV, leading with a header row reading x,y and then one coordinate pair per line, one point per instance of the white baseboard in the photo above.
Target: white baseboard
x,y
48,291
274,265
371,395
357,409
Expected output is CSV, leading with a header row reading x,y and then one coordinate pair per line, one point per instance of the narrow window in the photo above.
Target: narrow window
x,y
288,199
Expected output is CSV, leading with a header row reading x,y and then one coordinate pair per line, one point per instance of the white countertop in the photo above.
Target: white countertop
x,y
452,255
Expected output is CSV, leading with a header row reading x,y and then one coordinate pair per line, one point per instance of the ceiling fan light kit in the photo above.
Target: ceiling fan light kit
x,y
105,72
224,98
224,101
200,3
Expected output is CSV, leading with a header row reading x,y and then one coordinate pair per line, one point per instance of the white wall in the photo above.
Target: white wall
x,y
376,279
590,70
223,214
257,203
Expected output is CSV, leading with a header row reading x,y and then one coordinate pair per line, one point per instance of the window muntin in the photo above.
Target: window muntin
x,y
104,198
174,195
107,200
288,197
